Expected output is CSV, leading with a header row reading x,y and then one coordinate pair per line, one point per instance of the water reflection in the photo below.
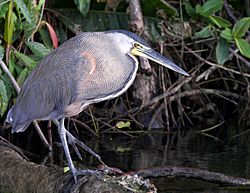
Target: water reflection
x,y
178,149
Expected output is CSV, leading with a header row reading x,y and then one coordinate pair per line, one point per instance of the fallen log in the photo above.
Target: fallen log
x,y
18,175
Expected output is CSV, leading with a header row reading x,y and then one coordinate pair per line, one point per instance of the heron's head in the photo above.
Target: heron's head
x,y
132,44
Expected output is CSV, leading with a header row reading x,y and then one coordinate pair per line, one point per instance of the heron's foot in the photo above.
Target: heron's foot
x,y
75,172
73,141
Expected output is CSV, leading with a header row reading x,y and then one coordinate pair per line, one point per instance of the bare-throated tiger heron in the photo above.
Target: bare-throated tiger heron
x,y
88,68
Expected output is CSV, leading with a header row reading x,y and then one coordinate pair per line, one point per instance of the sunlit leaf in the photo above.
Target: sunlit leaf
x,y
122,124
220,22
211,6
24,10
222,51
9,24
38,49
66,169
83,6
241,27
26,60
3,98
204,33
227,34
123,149
243,46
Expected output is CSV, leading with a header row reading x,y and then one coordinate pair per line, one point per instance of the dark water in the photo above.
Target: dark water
x,y
179,149
159,149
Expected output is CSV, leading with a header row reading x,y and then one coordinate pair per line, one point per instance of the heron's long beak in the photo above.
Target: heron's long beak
x,y
158,58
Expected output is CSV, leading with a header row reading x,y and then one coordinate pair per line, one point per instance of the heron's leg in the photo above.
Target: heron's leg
x,y
72,140
62,133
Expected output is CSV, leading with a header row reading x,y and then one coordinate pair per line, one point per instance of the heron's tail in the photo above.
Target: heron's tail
x,y
9,118
17,121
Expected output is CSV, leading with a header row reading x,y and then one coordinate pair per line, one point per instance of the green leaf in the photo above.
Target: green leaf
x,y
1,52
222,51
189,9
83,6
46,38
243,46
122,124
9,24
211,6
3,98
38,49
30,63
24,10
241,27
220,22
227,34
40,4
204,33
66,169
22,76
3,7
12,64
121,149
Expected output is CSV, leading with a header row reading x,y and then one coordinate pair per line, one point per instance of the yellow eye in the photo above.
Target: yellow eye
x,y
137,45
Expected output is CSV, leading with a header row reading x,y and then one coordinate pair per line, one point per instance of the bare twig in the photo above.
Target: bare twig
x,y
219,93
194,173
216,65
39,21
8,73
229,12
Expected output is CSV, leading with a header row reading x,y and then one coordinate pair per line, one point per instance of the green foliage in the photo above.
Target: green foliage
x,y
243,46
3,8
227,34
20,19
241,27
3,98
38,49
9,24
222,51
150,7
209,7
83,6
204,33
222,26
1,52
23,9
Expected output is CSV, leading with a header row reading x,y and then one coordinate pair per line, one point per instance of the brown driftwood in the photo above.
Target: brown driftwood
x,y
18,175
193,173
